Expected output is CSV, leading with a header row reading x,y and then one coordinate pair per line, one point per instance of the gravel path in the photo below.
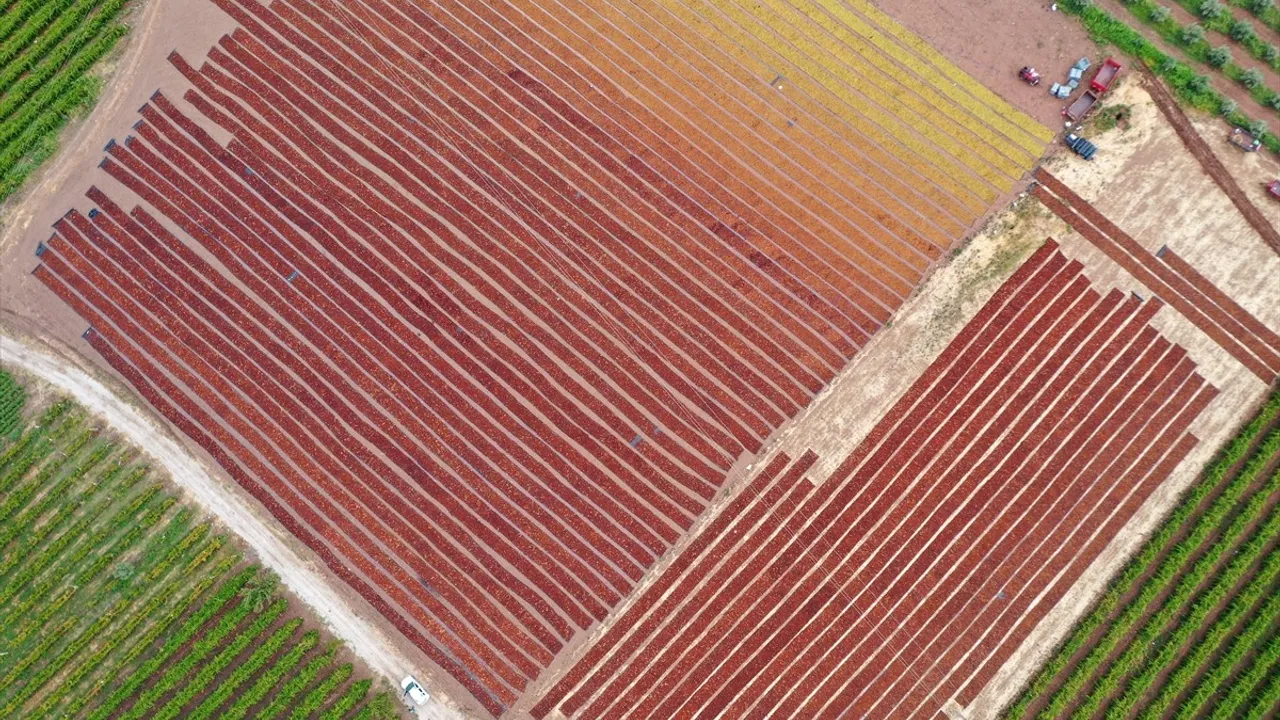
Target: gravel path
x,y
268,542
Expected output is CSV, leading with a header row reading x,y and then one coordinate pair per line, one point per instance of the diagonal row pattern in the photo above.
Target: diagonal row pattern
x,y
483,300
906,578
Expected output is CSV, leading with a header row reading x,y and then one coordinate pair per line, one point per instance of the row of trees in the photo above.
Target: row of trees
x,y
116,601
1190,87
1185,561
47,50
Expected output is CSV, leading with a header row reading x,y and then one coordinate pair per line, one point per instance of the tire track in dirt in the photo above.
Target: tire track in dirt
x,y
1209,162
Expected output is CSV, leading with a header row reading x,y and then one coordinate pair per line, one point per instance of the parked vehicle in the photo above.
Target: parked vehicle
x,y
1082,147
414,691
1101,83
1273,189
1106,76
1243,140
1029,75
1076,111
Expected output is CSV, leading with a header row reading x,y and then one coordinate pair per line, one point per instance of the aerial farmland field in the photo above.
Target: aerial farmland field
x,y
680,358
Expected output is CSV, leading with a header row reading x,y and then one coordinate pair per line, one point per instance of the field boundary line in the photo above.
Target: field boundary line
x,y
958,76
219,500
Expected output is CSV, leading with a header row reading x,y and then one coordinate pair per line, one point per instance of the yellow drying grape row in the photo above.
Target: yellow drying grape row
x,y
855,89
851,32
913,244
871,110
846,219
878,83
961,201
945,66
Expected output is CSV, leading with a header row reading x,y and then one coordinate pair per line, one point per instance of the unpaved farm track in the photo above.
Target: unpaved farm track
x,y
1212,166
906,579
229,506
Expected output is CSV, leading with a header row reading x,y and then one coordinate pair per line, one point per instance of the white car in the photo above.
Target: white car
x,y
414,691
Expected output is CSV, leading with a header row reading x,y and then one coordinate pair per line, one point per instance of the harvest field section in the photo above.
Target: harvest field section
x,y
910,575
1172,279
117,601
1189,628
47,51
483,301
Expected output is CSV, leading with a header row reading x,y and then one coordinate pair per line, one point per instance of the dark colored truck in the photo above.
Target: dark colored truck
x,y
1081,107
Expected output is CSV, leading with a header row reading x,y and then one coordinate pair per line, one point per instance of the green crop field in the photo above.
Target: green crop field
x,y
117,601
1191,627
1185,77
47,49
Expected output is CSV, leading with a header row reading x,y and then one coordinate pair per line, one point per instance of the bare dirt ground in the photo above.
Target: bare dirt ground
x,y
1130,182
303,576
992,39
139,69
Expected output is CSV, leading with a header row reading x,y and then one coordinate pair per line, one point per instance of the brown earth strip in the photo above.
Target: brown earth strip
x,y
1219,298
1143,266
1209,162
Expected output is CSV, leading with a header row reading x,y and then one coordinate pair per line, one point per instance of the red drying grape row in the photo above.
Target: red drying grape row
x,y
503,35
299,529
674,573
884,691
1218,297
791,572
298,495
695,330
472,319
656,58
976,336
1225,322
788,575
912,574
483,112
996,314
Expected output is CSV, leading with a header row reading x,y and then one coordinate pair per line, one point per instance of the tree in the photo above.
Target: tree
x,y
1198,84
258,593
1259,7
1218,57
1161,15
1228,107
1191,34
1211,9
1242,31
1251,78
382,708
1258,129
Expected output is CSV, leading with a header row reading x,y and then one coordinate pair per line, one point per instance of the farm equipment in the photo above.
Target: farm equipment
x,y
1273,189
1243,140
1101,83
1029,76
1076,111
1080,146
1106,75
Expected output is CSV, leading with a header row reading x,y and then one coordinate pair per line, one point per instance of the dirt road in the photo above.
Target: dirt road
x,y
264,537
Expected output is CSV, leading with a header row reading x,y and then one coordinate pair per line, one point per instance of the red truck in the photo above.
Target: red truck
x,y
1105,76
